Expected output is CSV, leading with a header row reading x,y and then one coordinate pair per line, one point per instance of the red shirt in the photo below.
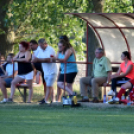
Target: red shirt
x,y
124,68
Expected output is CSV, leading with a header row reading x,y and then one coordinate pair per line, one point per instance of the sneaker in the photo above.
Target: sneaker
x,y
66,100
111,93
95,100
3,101
10,100
44,102
114,101
41,100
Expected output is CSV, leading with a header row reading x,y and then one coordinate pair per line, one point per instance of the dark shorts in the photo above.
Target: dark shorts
x,y
69,77
39,68
8,82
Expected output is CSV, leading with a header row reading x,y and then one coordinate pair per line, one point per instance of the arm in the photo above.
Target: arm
x,y
67,54
108,78
16,56
10,76
116,74
129,69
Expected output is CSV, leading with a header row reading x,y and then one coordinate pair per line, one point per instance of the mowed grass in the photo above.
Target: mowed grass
x,y
46,119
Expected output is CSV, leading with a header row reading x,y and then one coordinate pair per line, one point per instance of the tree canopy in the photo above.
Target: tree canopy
x,y
32,19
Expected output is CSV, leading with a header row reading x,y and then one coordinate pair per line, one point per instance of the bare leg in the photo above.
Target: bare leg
x,y
44,84
53,95
29,82
3,88
126,85
15,81
59,94
61,86
48,93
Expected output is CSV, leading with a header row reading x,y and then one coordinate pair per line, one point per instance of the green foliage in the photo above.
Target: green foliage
x,y
33,19
118,6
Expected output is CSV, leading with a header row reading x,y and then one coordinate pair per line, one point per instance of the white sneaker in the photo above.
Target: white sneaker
x,y
3,101
111,93
113,100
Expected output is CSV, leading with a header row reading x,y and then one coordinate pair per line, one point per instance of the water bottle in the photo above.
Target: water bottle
x,y
104,99
122,97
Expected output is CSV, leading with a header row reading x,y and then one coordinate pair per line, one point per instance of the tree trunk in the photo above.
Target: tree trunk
x,y
6,43
6,37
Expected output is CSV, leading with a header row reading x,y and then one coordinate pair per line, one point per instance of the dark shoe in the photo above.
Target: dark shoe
x,y
41,100
95,100
84,100
9,100
28,102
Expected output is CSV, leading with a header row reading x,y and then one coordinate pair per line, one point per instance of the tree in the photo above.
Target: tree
x,y
6,35
118,6
28,19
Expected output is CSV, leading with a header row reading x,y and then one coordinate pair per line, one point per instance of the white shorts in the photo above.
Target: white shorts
x,y
28,76
50,79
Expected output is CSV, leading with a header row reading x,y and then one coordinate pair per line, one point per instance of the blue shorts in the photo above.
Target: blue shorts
x,y
8,81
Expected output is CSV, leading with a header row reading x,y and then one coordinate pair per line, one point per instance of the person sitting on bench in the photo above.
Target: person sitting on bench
x,y
101,76
7,77
25,70
128,85
124,73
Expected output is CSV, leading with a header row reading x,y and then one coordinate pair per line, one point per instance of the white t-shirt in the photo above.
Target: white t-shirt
x,y
48,68
37,51
9,68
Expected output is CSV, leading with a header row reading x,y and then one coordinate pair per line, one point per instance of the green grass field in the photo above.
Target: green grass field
x,y
46,119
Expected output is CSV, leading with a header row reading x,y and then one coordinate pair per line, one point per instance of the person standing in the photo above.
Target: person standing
x,y
66,54
36,50
49,69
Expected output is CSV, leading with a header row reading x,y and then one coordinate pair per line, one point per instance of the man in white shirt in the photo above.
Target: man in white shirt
x,y
36,50
6,79
49,69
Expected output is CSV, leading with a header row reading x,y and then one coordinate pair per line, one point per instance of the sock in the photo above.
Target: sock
x,y
122,91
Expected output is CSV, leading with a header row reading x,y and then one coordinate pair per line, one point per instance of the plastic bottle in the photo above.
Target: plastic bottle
x,y
104,99
122,97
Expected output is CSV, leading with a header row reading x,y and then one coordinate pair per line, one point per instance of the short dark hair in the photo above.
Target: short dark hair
x,y
101,50
33,42
11,54
127,54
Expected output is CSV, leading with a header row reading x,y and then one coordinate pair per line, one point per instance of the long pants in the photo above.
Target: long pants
x,y
93,82
115,84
